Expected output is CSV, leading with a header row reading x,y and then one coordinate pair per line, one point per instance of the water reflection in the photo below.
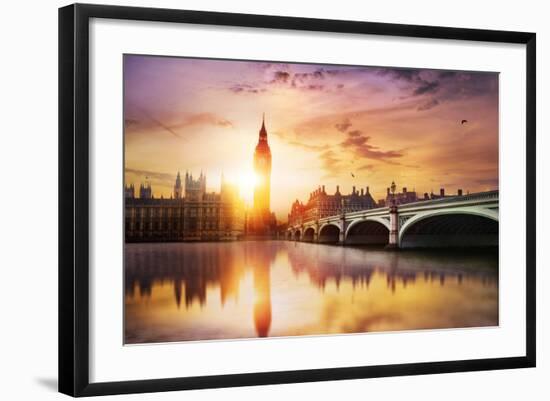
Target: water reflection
x,y
262,299
193,291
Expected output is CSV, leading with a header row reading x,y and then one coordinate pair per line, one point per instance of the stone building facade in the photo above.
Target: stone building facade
x,y
401,198
320,204
193,215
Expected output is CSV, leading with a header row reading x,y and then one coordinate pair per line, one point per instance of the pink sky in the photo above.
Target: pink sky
x,y
324,123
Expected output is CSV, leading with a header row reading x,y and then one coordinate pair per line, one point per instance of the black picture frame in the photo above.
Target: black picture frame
x,y
74,198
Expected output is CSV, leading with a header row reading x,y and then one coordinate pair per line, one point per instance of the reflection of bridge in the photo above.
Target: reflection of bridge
x,y
469,220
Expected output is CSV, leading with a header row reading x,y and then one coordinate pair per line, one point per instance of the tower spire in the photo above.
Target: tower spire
x,y
263,131
261,222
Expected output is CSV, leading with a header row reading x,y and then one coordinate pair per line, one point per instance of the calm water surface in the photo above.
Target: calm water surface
x,y
204,291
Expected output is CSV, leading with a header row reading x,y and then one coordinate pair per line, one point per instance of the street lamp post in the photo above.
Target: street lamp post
x,y
394,221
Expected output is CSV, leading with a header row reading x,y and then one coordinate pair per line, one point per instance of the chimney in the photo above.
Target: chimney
x,y
460,192
388,191
353,192
361,191
404,190
368,190
442,192
324,189
337,189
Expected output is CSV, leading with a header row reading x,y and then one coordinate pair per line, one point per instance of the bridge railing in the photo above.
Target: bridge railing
x,y
488,195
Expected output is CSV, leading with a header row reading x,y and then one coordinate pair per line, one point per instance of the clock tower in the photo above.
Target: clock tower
x,y
262,191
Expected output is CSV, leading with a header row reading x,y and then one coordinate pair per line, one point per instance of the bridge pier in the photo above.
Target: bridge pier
x,y
316,232
343,227
393,242
342,238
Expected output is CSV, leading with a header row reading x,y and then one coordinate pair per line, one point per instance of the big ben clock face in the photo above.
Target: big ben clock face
x,y
262,162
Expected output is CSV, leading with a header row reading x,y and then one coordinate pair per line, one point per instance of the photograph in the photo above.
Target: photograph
x,y
281,199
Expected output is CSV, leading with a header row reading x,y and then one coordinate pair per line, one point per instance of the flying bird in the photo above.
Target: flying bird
x,y
463,122
353,175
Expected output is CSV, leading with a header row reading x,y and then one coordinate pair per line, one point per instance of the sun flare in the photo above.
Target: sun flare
x,y
247,181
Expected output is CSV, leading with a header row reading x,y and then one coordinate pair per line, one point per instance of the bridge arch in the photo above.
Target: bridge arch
x,y
309,234
289,235
459,227
329,233
297,235
371,230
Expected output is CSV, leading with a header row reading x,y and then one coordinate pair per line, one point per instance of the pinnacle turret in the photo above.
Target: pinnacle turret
x,y
263,131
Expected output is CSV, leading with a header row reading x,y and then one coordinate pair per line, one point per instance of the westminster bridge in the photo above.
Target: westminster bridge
x,y
466,220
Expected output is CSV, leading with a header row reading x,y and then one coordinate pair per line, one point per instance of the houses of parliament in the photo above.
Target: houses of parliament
x,y
193,214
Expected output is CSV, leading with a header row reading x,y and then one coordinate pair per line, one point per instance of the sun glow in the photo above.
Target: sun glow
x,y
247,181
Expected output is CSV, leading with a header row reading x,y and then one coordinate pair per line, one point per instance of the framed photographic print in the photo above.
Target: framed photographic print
x,y
249,199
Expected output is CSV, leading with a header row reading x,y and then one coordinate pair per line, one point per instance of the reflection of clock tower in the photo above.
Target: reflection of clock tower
x,y
262,191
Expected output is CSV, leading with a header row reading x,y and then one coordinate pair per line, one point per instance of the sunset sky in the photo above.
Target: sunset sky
x,y
324,123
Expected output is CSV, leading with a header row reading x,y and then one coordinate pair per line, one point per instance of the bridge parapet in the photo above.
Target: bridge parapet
x,y
483,197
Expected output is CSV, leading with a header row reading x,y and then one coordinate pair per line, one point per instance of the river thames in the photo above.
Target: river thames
x,y
249,289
